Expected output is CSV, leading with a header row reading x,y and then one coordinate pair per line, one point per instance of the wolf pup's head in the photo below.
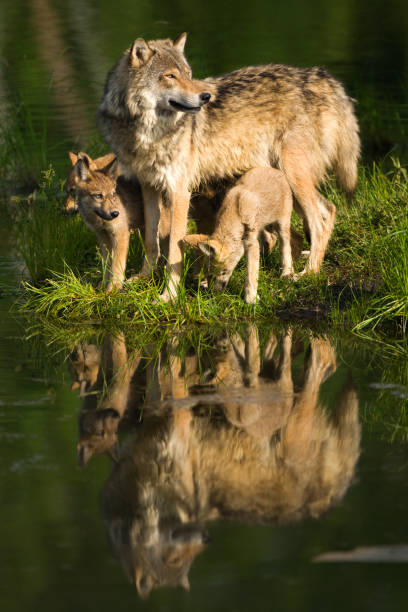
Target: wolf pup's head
x,y
96,190
221,257
154,76
70,204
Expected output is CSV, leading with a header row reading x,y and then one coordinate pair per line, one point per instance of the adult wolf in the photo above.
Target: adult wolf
x,y
175,134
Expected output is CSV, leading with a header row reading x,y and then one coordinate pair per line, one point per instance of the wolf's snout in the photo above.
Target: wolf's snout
x,y
204,97
107,216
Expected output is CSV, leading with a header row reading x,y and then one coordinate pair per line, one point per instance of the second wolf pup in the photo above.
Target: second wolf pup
x,y
261,199
70,205
110,206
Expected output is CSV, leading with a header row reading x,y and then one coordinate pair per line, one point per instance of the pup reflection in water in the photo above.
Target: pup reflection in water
x,y
237,441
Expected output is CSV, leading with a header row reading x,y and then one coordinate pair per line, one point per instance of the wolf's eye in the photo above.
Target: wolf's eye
x,y
171,76
97,196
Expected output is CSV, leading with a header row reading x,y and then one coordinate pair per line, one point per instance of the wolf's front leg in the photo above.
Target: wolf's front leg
x,y
119,256
105,247
251,246
151,205
179,202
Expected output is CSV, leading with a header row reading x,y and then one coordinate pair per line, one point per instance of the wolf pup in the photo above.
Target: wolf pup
x,y
261,199
110,206
175,133
70,205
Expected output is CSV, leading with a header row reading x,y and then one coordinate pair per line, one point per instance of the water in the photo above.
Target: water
x,y
266,467
229,460
55,56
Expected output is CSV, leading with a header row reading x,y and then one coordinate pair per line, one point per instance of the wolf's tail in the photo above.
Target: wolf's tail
x,y
348,151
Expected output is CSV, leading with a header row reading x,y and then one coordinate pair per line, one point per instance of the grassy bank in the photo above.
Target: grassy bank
x,y
363,282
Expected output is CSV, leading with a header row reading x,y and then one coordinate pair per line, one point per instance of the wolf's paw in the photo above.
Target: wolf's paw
x,y
252,298
287,273
298,275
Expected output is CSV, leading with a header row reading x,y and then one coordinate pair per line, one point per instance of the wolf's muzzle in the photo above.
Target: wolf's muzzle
x,y
186,108
107,216
183,107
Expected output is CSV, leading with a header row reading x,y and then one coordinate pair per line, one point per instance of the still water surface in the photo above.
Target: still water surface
x,y
55,56
214,468
227,462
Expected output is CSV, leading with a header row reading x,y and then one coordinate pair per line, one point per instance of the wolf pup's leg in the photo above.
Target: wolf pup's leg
x,y
251,246
120,243
106,249
285,248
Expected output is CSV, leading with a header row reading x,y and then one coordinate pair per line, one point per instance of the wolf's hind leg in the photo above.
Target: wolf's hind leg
x,y
318,213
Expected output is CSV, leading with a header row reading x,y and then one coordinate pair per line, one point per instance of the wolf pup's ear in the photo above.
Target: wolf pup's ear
x,y
112,169
73,158
139,53
180,42
194,239
83,167
210,248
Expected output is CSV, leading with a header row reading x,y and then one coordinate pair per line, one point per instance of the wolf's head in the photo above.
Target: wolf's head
x,y
154,76
96,195
98,433
70,204
221,257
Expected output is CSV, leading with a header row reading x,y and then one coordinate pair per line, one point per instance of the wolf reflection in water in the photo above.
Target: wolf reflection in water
x,y
232,440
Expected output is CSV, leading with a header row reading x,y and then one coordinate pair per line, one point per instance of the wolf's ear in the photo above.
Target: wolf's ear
x,y
211,248
114,452
73,158
144,584
84,453
112,169
180,42
90,162
194,239
82,168
139,53
185,583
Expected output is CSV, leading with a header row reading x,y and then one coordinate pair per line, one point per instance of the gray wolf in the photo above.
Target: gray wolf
x,y
260,199
275,458
70,205
176,134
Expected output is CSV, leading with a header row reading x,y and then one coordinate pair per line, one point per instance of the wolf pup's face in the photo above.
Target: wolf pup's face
x,y
164,78
96,191
221,257
221,261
